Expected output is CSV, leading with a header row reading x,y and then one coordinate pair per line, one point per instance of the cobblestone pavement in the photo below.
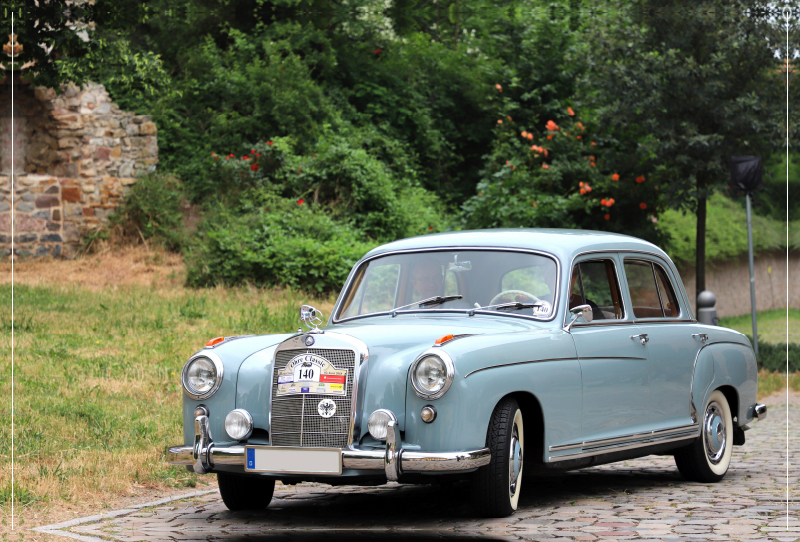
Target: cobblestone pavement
x,y
643,499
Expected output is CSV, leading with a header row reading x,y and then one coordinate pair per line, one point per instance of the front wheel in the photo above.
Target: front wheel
x,y
496,487
708,458
245,492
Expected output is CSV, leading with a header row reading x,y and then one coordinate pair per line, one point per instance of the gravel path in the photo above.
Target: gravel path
x,y
643,499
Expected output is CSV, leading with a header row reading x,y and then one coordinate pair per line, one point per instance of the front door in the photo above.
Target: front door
x,y
614,366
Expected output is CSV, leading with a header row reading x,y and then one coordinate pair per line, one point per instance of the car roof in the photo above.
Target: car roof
x,y
562,243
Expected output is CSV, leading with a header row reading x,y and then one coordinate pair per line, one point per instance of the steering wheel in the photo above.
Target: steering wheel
x,y
514,295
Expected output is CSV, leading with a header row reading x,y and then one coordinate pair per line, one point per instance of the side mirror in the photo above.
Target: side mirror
x,y
584,311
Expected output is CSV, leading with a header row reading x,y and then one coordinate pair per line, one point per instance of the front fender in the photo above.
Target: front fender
x,y
232,354
543,365
726,364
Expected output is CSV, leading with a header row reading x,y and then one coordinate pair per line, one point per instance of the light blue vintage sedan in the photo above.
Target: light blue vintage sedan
x,y
458,355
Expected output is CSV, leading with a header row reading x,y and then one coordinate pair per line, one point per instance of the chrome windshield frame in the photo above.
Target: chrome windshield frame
x,y
334,313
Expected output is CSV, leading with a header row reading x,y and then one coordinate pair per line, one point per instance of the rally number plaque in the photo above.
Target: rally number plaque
x,y
309,373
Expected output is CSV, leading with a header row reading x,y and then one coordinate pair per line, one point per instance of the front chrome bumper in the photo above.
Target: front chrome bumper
x,y
393,460
760,411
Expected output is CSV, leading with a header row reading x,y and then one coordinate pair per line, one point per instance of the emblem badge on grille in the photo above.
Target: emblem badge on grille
x,y
326,408
309,340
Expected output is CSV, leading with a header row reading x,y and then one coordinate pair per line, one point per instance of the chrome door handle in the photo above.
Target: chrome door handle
x,y
703,336
642,337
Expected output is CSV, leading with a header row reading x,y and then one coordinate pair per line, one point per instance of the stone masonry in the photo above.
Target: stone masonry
x,y
76,155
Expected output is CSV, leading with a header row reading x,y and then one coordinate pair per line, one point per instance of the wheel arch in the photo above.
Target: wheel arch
x,y
533,416
732,396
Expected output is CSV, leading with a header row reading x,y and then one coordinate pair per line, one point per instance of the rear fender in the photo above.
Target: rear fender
x,y
731,365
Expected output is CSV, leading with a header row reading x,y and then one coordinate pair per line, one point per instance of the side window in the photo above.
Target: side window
x,y
594,283
668,300
652,294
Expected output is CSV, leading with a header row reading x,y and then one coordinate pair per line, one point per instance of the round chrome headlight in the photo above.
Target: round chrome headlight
x,y
431,375
239,424
378,423
202,376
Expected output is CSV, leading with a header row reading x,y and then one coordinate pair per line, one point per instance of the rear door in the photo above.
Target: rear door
x,y
614,368
660,314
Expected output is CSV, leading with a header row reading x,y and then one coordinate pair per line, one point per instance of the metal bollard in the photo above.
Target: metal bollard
x,y
706,313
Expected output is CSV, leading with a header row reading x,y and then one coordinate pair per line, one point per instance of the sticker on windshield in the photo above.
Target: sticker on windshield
x,y
542,308
309,373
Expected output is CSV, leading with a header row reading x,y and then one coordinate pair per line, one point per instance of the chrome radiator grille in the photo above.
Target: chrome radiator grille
x,y
295,420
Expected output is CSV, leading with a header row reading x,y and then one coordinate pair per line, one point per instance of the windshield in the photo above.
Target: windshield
x,y
482,279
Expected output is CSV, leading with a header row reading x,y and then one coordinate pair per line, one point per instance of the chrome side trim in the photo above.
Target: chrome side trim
x,y
297,342
611,449
760,411
647,435
218,365
518,363
346,288
692,406
612,357
451,373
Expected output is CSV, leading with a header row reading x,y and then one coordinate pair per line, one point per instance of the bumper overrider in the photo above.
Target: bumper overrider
x,y
393,460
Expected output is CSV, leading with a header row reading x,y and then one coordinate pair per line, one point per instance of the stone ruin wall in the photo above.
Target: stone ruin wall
x,y
76,156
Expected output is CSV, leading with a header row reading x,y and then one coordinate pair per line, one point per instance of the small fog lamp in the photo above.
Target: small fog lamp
x,y
428,414
239,424
379,422
200,411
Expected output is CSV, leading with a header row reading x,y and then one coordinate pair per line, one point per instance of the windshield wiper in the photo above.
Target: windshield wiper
x,y
435,300
512,305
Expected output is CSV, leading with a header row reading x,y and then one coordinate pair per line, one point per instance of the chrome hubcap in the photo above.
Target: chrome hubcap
x,y
514,461
715,436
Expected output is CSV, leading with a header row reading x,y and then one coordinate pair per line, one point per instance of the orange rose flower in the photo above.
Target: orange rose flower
x,y
607,217
643,206
640,179
615,177
583,191
570,111
552,126
545,166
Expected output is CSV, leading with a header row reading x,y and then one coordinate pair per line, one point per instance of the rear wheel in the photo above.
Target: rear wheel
x,y
497,486
245,492
708,458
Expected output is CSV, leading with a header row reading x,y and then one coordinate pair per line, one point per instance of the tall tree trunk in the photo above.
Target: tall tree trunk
x,y
700,253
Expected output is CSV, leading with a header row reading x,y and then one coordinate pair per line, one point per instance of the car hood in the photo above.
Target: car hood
x,y
394,344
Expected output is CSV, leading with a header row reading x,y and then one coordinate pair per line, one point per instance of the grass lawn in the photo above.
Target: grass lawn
x,y
771,325
97,384
97,377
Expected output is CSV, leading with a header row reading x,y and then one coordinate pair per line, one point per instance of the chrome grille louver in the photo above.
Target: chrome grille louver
x,y
295,420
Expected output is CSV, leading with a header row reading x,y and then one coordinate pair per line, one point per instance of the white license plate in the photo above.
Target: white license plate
x,y
286,460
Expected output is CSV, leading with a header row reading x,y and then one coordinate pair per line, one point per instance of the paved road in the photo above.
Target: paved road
x,y
643,499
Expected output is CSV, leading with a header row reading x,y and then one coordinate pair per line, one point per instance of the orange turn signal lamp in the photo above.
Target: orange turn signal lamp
x,y
215,340
443,339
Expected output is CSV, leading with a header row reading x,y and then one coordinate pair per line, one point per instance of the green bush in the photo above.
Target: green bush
x,y
772,356
152,210
726,232
274,241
